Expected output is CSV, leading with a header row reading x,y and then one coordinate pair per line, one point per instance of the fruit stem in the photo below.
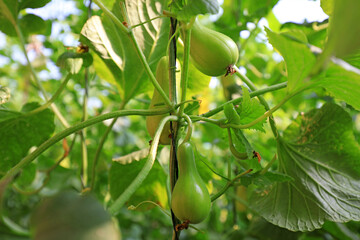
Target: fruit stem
x,y
189,128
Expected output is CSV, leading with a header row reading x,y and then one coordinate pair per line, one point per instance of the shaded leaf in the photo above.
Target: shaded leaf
x,y
73,62
320,153
152,189
68,215
19,132
231,114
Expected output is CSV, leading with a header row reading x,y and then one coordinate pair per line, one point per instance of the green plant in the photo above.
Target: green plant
x,y
283,142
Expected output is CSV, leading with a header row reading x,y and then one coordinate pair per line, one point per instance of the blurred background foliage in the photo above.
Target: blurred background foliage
x,y
54,29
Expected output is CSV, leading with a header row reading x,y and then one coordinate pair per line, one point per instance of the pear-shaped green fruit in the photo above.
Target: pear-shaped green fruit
x,y
212,52
152,122
190,199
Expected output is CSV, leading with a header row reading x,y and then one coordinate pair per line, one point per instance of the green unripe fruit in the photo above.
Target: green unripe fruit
x,y
190,199
157,101
212,52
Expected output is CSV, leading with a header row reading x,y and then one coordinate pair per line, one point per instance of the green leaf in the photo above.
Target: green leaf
x,y
72,61
27,175
258,8
353,59
19,132
8,16
9,10
152,189
32,24
193,8
249,110
33,3
327,6
341,83
298,57
241,142
262,229
344,30
231,114
320,153
340,231
118,52
197,81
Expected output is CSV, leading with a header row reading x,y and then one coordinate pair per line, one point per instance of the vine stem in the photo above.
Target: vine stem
x,y
229,184
173,94
141,55
84,152
238,155
238,100
57,137
119,202
185,69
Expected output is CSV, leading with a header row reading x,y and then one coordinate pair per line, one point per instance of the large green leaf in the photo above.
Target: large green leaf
x,y
118,52
152,189
298,57
320,153
341,83
19,132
